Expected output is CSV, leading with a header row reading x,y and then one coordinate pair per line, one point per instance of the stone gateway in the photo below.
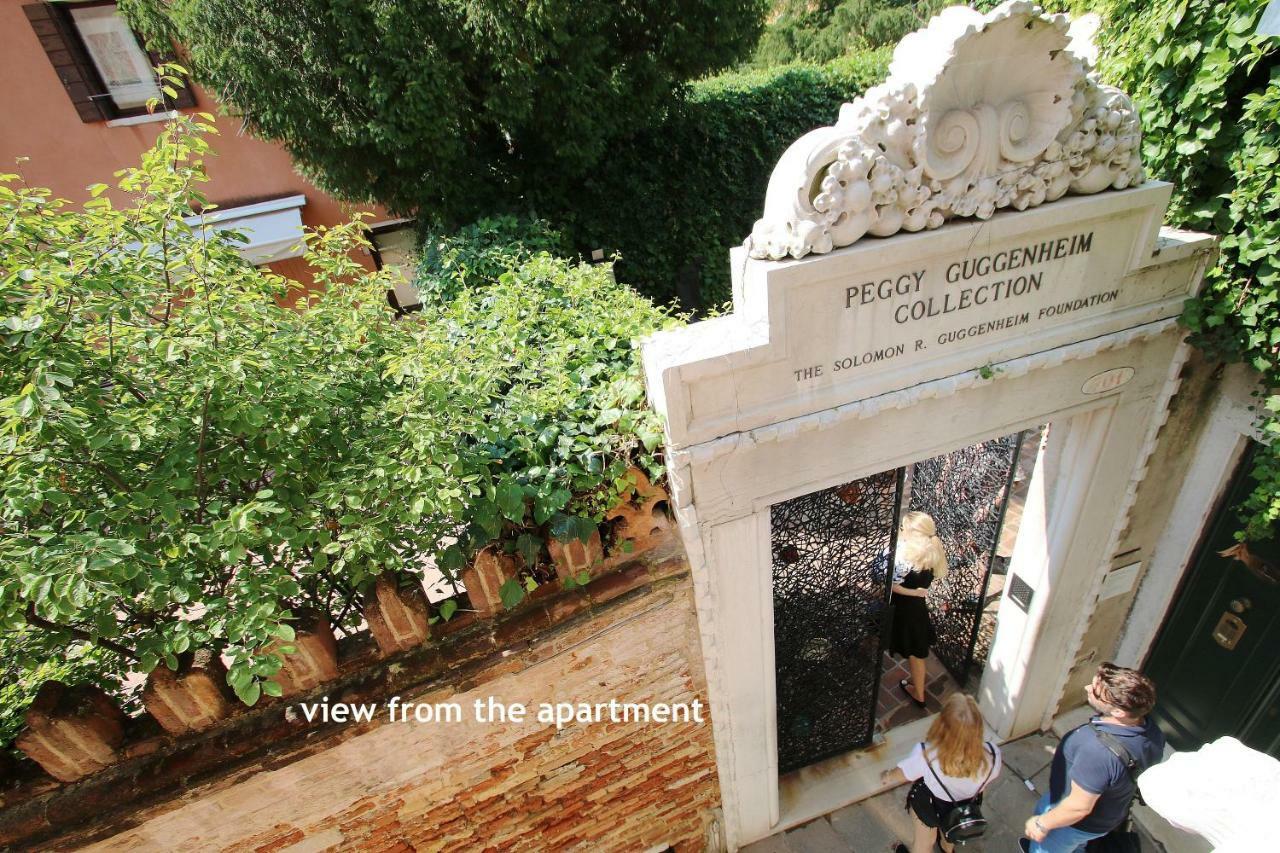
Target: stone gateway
x,y
1024,286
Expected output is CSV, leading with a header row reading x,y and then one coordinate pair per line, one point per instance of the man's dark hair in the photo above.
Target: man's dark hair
x,y
1126,689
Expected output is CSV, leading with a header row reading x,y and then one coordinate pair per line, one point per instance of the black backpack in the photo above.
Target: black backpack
x,y
964,820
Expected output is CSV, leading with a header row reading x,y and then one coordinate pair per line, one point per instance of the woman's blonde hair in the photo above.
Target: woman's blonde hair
x,y
919,545
956,738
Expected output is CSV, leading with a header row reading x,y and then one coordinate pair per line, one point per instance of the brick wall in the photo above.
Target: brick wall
x,y
468,785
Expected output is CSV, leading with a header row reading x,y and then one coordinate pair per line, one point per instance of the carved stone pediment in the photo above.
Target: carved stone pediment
x,y
980,112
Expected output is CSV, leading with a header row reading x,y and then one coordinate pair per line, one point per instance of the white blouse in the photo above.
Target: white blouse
x,y
913,767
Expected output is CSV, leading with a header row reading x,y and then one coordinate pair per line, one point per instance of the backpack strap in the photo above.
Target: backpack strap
x,y
1116,748
992,769
924,753
1087,725
1131,765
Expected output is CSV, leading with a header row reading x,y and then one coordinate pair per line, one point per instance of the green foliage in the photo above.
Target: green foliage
x,y
450,110
888,26
480,253
790,29
566,410
1070,7
803,31
539,365
808,31
174,440
188,462
678,196
1208,91
19,682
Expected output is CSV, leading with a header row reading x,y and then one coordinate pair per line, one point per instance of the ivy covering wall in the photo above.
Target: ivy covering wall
x,y
1208,90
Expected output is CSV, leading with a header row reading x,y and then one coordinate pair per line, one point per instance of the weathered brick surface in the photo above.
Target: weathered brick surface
x,y
396,613
314,659
191,699
72,731
641,517
576,556
472,786
485,577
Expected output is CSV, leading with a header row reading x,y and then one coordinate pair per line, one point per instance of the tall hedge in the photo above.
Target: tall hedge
x,y
449,109
676,198
1208,90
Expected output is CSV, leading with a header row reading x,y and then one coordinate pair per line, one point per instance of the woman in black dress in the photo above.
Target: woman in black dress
x,y
918,562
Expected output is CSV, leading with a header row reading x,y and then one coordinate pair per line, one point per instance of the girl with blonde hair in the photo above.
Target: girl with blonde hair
x,y
952,765
919,561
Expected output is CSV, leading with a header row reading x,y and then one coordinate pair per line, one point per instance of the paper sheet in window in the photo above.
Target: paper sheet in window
x,y
120,61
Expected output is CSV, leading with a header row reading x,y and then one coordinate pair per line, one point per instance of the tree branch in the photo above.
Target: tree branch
x,y
38,621
204,434
112,476
66,321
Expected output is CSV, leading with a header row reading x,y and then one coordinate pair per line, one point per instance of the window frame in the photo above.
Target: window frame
x,y
372,233
99,93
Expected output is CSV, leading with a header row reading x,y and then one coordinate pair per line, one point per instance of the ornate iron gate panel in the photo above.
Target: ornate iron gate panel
x,y
830,596
967,492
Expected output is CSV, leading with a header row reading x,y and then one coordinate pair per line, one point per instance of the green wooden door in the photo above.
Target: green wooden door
x,y
1216,660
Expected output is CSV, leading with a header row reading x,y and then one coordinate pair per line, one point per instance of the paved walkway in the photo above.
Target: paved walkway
x,y
878,824
893,708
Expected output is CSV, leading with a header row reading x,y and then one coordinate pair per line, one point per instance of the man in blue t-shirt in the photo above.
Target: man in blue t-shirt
x,y
1090,787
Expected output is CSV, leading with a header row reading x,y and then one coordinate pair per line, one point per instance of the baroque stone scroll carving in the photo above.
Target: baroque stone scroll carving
x,y
980,112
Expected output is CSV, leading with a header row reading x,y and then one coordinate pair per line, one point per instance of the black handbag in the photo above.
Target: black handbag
x,y
964,821
1124,838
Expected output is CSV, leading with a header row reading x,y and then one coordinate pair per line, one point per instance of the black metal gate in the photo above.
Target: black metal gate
x,y
967,493
831,585
829,603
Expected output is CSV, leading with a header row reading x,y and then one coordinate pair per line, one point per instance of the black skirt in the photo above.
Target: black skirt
x,y
912,633
925,805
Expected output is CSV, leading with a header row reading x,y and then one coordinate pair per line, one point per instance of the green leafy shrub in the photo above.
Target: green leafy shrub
x,y
677,197
481,252
544,360
186,462
19,680
1208,91
887,26
174,440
